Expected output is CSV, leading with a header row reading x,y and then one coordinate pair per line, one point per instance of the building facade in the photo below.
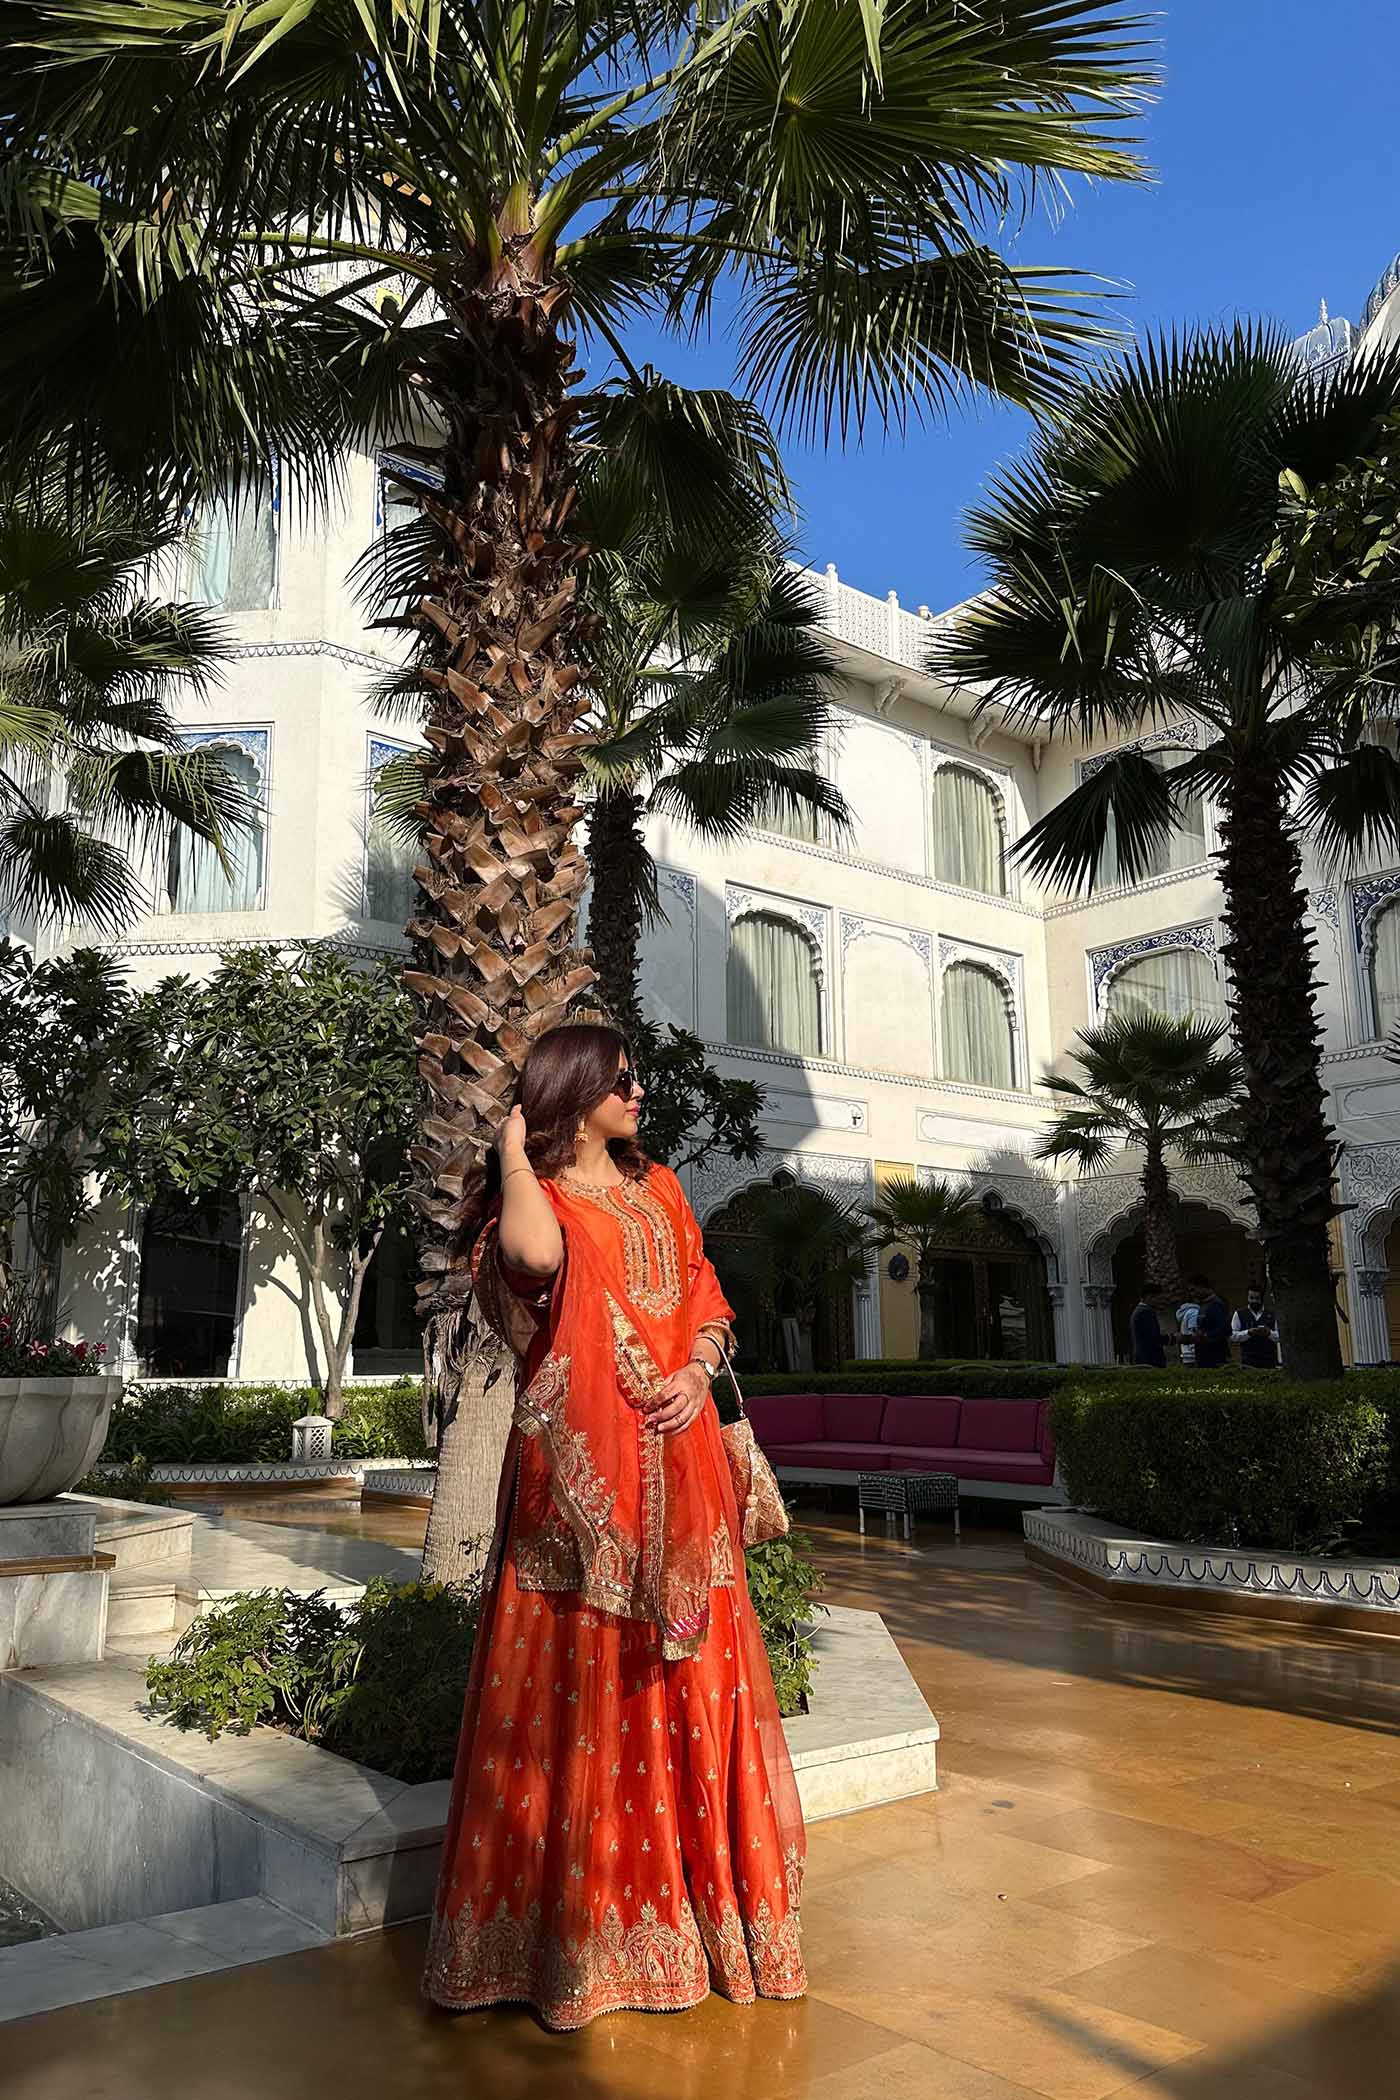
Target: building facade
x,y
898,991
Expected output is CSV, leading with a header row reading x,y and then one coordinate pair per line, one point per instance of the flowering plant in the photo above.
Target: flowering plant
x,y
21,1356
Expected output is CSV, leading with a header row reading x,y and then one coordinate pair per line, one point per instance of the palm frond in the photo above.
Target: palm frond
x,y
1351,805
1065,849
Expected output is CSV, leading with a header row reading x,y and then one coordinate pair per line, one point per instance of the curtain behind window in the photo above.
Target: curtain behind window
x,y
1185,846
195,880
774,1000
236,556
390,890
977,1045
1385,971
1176,981
967,844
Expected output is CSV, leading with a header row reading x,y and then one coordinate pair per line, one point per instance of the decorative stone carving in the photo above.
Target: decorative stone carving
x,y
1105,963
253,743
1177,736
311,1439
1372,1282
853,929
714,1181
1368,901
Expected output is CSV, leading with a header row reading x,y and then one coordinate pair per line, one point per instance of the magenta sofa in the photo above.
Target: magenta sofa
x,y
813,1436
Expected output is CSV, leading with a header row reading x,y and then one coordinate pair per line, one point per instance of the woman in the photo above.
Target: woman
x,y
624,1828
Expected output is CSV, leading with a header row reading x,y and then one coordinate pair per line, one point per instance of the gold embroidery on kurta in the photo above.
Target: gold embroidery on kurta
x,y
650,1259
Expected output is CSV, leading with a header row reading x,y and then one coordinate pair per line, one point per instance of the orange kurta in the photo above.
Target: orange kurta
x,y
624,1828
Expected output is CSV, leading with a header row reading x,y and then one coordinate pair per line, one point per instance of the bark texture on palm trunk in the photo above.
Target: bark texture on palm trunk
x,y
1289,1146
1163,1262
493,957
619,862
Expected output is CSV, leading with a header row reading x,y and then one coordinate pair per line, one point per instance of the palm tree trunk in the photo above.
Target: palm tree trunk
x,y
493,962
928,1321
618,859
1288,1143
470,1443
1163,1259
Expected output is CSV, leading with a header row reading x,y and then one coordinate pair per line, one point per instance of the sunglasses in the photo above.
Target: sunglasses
x,y
625,1085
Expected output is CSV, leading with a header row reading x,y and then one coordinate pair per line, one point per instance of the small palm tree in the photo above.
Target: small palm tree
x,y
923,1215
1137,581
709,696
1159,1084
803,1246
92,767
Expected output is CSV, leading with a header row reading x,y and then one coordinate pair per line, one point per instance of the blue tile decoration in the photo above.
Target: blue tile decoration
x,y
1104,961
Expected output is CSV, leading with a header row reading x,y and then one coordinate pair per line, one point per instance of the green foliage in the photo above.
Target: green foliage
x,y
1338,551
249,1424
381,1682
131,1482
903,1374
784,1583
1225,1458
692,1111
25,1350
1149,1079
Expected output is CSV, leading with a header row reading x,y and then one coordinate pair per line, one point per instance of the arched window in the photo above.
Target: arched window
x,y
1385,969
187,1307
978,1045
235,564
390,890
967,837
1178,981
774,994
194,878
1185,845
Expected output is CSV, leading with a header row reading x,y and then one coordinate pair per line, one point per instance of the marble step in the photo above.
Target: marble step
x,y
73,1967
141,1603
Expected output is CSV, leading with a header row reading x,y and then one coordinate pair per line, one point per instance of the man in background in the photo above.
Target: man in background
x,y
1255,1328
1212,1328
1146,1330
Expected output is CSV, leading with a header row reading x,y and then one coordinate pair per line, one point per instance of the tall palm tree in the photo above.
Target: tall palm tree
x,y
709,698
1154,1083
922,1215
1133,584
93,773
243,232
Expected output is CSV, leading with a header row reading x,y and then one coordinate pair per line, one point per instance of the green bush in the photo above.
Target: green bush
x,y
784,1583
203,1425
976,1381
1226,1458
381,1682
126,1483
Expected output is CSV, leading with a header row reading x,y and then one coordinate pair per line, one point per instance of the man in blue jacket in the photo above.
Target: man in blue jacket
x,y
1212,1328
1146,1330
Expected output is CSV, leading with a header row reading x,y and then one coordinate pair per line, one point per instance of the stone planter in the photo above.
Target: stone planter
x,y
51,1431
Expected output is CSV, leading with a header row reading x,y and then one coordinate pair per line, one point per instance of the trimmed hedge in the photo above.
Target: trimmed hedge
x,y
975,1381
1228,1458
203,1425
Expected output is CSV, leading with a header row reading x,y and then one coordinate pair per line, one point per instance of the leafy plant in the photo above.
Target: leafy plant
x,y
24,1353
250,1424
784,1583
131,1482
692,1111
976,1381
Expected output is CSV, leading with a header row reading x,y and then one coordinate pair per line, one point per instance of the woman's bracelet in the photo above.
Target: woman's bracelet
x,y
525,1169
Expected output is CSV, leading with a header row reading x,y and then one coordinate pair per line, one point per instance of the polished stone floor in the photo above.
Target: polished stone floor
x,y
1165,1864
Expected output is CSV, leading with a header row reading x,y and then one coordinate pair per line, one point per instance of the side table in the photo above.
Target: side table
x,y
909,1495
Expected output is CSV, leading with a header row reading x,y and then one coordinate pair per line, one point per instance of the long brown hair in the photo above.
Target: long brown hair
x,y
568,1072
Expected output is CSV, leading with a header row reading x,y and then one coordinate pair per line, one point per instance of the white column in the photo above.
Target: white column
x,y
1371,1335
1098,1326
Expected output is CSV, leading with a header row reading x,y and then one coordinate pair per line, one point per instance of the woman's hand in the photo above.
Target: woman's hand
x,y
510,1138
682,1397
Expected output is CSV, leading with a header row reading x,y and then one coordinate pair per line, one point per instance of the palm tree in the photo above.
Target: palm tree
x,y
922,1215
709,694
92,766
803,1247
253,233
1134,584
1157,1084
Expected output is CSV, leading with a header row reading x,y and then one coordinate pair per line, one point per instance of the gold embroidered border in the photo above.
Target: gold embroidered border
x,y
648,1966
608,1563
650,1259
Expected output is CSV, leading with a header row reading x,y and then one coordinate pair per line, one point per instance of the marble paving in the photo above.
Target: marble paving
x,y
1163,1864
81,1966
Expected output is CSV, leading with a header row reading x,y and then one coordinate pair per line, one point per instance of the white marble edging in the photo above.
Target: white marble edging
x,y
1101,1549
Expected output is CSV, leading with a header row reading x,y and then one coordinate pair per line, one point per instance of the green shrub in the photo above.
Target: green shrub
x,y
203,1425
125,1483
784,1583
381,1682
977,1381
1225,1458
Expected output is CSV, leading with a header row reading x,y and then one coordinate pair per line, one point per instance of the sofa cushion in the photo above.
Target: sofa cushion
x,y
785,1418
852,1418
840,1458
1023,1468
920,1418
922,1458
999,1425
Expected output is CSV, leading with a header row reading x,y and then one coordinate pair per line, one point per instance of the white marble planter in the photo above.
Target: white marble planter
x,y
51,1431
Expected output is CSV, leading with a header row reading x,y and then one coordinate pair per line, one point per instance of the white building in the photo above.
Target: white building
x,y
897,993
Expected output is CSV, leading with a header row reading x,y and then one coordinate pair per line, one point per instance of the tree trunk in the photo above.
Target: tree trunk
x,y
1163,1259
928,1321
493,961
472,1433
1288,1143
618,859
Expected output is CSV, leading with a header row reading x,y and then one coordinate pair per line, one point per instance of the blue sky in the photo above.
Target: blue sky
x,y
1276,150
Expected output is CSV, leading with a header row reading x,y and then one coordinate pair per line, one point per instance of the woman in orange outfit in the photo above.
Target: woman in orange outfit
x,y
624,1828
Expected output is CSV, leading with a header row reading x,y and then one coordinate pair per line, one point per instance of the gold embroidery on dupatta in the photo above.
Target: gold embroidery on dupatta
x,y
683,1616
650,1260
608,1565
648,1966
